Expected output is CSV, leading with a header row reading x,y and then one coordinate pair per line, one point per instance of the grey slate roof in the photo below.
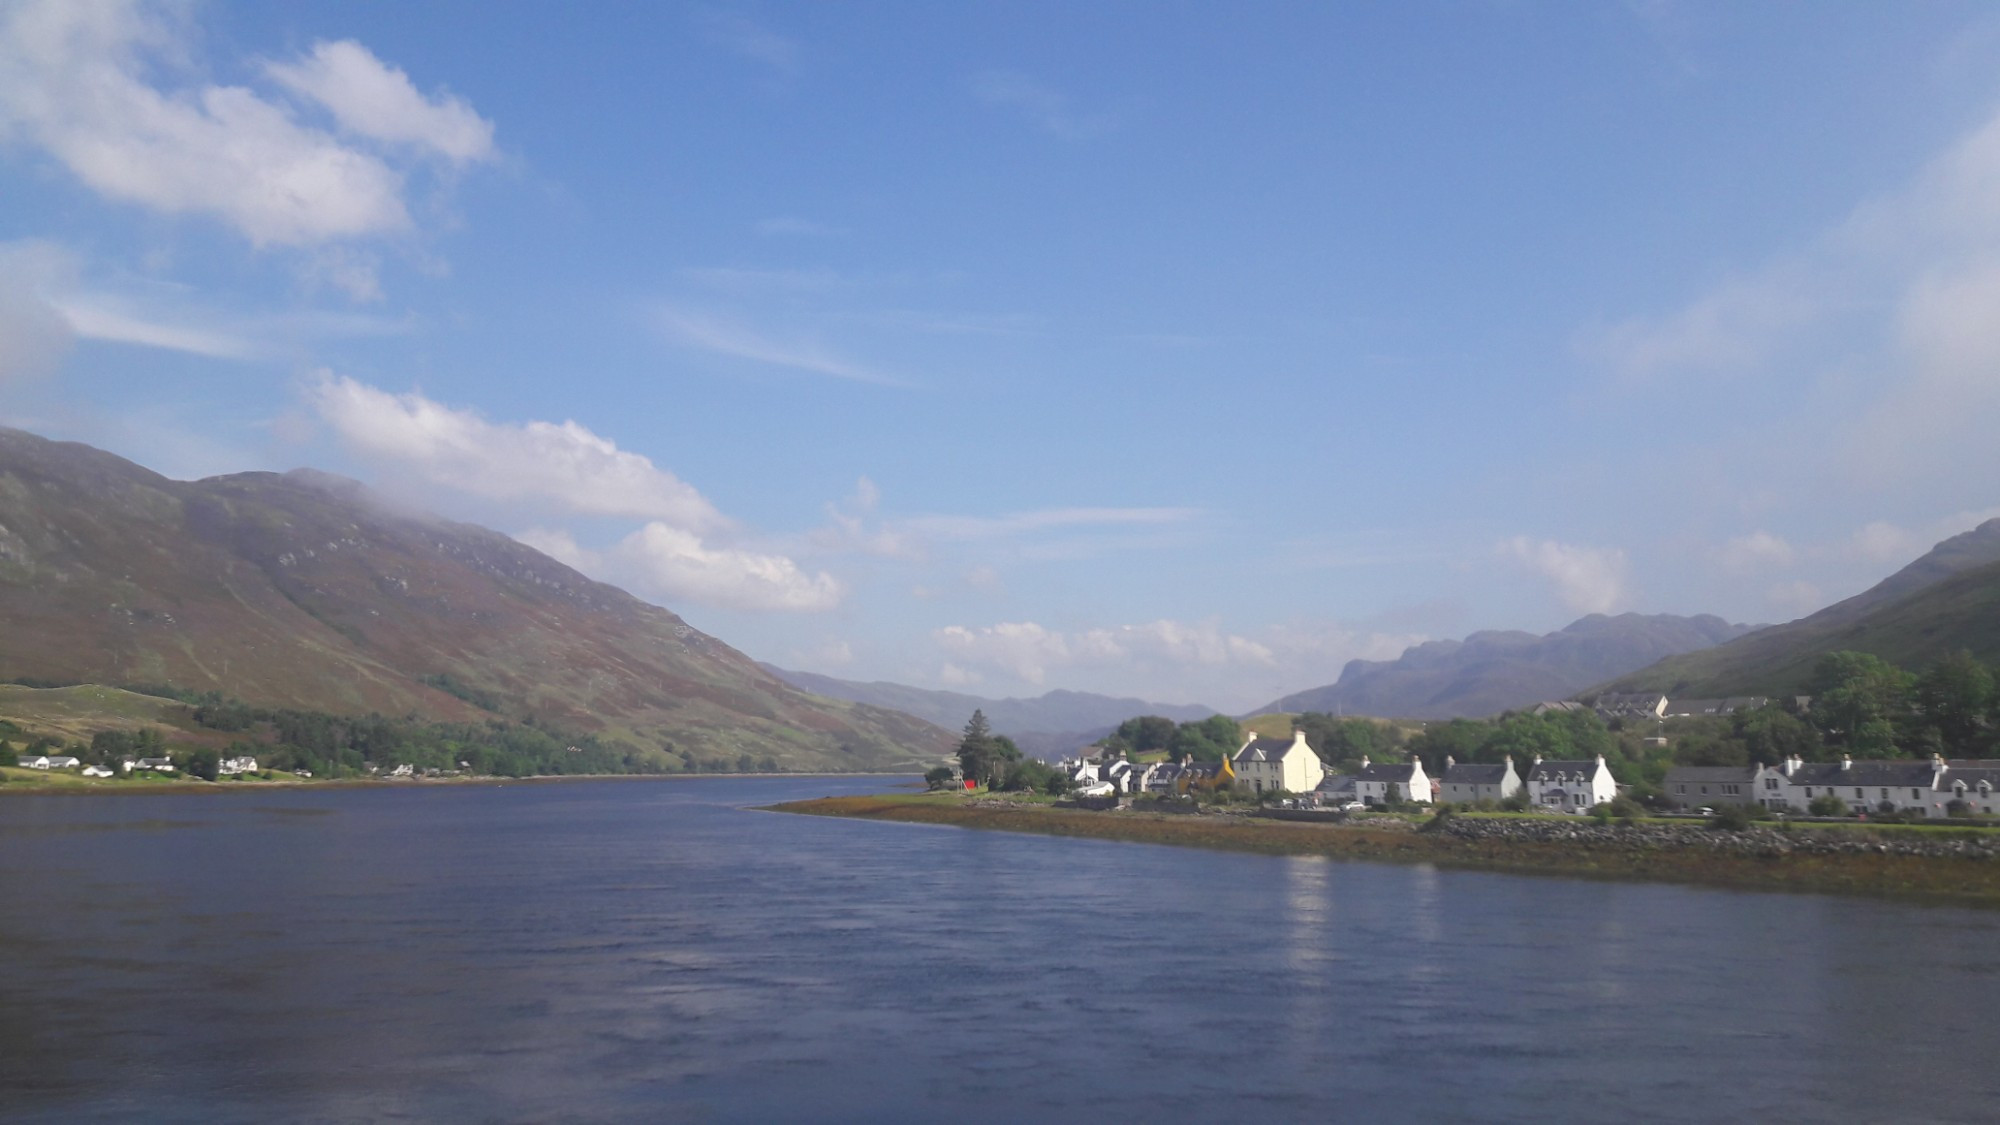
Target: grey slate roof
x,y
1895,774
1474,773
1711,775
1383,771
1264,750
1557,770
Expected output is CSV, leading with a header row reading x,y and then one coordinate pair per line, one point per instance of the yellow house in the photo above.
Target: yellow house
x,y
1267,764
1204,775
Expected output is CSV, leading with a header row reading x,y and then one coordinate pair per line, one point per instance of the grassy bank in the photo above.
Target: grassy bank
x,y
1948,880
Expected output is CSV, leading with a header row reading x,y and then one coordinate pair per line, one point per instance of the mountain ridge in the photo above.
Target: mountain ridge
x,y
1495,670
306,590
1054,722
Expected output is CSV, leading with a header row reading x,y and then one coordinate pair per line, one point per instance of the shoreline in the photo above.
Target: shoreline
x,y
1939,880
102,788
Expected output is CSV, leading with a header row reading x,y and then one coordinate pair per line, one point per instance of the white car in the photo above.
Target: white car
x,y
1352,806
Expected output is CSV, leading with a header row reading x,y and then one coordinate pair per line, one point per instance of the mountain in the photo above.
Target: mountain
x,y
305,590
1050,724
1490,672
1947,600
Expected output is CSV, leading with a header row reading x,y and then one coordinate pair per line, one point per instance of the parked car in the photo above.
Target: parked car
x,y
1352,806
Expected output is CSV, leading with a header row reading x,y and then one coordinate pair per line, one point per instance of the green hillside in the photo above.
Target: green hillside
x,y
1961,611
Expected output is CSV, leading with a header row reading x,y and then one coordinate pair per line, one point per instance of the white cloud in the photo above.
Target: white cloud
x,y
372,99
566,463
675,566
1889,316
1028,651
1043,104
675,563
1589,579
74,80
1759,549
725,337
1884,542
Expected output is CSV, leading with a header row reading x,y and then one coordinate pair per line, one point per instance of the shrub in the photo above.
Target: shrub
x,y
1730,818
1826,804
941,777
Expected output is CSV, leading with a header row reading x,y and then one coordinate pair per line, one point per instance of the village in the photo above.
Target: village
x,y
1288,772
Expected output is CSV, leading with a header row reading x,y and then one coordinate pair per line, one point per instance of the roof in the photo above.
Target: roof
x,y
1905,773
1548,771
1265,749
1386,771
1725,775
1474,773
1336,783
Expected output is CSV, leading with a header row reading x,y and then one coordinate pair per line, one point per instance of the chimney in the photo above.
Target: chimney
x,y
1846,761
1536,762
1448,763
1364,761
1187,760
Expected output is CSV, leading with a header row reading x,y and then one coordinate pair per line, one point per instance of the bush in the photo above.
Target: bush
x,y
941,777
1516,803
1731,818
1601,813
1625,808
1826,804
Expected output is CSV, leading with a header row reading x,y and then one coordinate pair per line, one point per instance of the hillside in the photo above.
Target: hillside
x,y
1490,672
303,590
1947,600
1053,723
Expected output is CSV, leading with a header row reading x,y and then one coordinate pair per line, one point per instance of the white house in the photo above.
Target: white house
x,y
1645,704
158,765
1565,786
33,761
1266,764
1924,787
1465,782
99,771
1379,783
231,766
1693,787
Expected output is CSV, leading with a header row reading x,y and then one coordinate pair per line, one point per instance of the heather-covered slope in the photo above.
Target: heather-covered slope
x,y
302,590
1493,671
1945,601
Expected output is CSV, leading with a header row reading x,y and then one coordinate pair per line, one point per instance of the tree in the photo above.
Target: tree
x,y
1955,696
1144,734
1854,696
984,757
200,763
1826,804
940,778
1206,740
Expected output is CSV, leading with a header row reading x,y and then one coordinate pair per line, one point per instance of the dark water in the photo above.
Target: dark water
x,y
650,951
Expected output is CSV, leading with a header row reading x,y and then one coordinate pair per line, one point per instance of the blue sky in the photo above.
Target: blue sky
x,y
1178,350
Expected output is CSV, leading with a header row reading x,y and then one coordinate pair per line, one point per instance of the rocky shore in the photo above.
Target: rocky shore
x,y
1956,866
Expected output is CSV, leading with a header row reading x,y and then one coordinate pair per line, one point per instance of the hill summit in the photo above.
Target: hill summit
x,y
305,590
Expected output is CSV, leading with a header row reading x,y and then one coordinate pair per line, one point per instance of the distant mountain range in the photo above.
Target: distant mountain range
x,y
1945,601
1490,672
1050,724
304,590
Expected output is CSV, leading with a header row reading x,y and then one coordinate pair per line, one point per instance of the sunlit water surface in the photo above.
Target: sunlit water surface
x,y
654,951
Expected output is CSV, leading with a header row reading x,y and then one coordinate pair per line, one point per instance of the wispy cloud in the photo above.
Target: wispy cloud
x,y
1047,519
1894,304
752,40
1042,104
791,226
732,338
1588,579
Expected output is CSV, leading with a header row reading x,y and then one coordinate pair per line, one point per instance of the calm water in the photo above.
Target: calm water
x,y
651,951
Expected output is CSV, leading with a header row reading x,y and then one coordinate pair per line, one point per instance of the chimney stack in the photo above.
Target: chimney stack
x,y
1846,761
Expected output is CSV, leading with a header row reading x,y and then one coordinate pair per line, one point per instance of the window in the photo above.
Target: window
x,y
1915,796
1859,795
1732,789
1770,783
1680,788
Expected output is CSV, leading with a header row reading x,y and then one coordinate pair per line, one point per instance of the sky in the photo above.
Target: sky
x,y
1178,350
